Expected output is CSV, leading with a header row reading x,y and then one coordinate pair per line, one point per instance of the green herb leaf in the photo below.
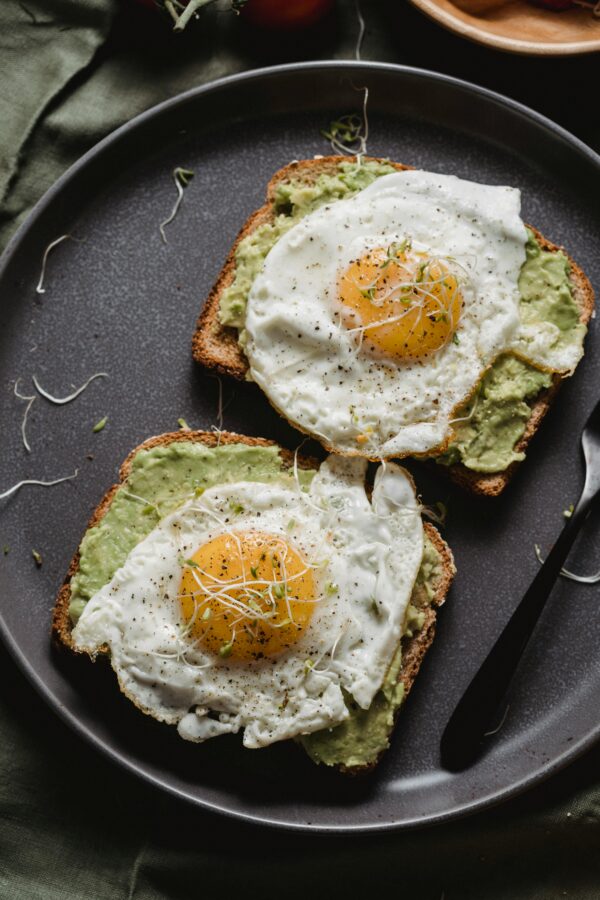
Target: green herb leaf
x,y
455,338
225,650
38,557
191,563
183,176
253,571
567,513
100,425
183,425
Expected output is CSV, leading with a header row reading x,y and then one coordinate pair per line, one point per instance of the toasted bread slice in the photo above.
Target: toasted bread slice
x,y
216,346
414,648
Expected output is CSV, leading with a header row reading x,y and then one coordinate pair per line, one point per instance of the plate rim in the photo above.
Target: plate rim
x,y
508,44
24,664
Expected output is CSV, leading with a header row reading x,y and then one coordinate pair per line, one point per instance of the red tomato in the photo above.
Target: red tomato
x,y
285,14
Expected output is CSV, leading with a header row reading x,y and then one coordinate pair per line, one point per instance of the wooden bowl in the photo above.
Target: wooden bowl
x,y
517,25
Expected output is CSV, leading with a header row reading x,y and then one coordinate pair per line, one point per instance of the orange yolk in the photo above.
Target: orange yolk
x,y
247,595
406,304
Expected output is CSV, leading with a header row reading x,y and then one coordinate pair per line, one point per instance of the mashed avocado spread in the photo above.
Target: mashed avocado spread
x,y
164,477
485,441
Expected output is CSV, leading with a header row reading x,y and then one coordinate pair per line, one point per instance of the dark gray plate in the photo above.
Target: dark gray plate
x,y
118,300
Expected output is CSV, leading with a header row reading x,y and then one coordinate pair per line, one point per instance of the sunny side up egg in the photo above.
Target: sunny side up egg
x,y
375,318
263,606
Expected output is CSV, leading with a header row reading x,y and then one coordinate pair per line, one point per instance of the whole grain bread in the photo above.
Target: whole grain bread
x,y
414,648
216,346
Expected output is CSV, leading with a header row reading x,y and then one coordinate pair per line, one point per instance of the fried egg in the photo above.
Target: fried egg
x,y
263,607
374,318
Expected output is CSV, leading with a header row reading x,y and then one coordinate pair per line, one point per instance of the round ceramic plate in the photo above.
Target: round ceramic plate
x,y
519,27
121,301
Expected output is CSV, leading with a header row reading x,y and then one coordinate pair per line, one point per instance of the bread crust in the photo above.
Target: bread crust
x,y
216,347
414,648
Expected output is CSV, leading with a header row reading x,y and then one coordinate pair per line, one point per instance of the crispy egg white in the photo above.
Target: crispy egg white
x,y
375,318
330,572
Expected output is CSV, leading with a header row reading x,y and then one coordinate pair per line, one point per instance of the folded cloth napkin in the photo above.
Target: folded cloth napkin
x,y
71,824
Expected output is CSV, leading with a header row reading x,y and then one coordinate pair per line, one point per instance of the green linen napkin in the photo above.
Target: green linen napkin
x,y
71,824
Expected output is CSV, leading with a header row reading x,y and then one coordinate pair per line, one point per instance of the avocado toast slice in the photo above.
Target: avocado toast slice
x,y
292,192
167,460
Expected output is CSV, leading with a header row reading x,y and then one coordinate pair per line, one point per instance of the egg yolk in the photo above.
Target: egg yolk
x,y
247,595
400,302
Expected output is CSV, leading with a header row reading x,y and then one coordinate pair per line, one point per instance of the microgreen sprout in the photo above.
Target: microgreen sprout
x,y
181,177
60,401
219,427
455,338
348,135
236,508
183,13
40,289
183,425
438,514
37,557
99,426
225,650
567,513
20,484
581,579
395,251
253,571
30,399
361,31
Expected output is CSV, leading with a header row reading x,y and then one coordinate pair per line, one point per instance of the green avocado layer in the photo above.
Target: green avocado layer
x,y
365,734
485,441
495,419
164,477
